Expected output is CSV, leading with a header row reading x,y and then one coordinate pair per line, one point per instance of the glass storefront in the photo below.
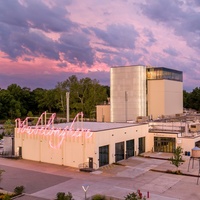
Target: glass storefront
x,y
164,144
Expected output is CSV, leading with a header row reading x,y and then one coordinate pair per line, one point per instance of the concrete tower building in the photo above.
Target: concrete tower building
x,y
144,91
164,92
128,93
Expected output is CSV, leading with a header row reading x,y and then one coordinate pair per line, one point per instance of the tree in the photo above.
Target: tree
x,y
60,92
5,104
48,100
37,95
15,90
176,159
85,94
29,114
186,99
8,127
195,99
192,99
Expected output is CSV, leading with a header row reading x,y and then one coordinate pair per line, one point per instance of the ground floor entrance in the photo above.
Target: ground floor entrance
x,y
130,148
141,145
103,155
119,151
164,144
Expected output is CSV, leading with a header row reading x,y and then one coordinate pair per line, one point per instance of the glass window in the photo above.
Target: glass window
x,y
119,151
130,148
164,73
163,144
103,155
141,142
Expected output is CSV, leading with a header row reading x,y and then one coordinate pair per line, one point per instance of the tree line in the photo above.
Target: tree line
x,y
85,94
192,99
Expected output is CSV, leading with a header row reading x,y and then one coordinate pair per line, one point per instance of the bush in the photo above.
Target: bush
x,y
135,196
98,197
62,196
6,197
19,190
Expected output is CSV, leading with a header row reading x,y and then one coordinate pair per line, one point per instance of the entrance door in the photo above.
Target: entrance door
x,y
130,148
103,155
141,143
119,151
163,144
90,162
20,151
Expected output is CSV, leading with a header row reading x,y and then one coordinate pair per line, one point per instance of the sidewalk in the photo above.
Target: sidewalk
x,y
43,180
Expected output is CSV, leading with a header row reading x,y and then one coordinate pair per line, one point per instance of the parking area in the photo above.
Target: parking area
x,y
42,180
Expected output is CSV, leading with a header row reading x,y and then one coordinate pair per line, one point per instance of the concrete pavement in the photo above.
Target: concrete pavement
x,y
42,180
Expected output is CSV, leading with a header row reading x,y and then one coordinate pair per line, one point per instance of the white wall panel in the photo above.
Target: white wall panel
x,y
128,93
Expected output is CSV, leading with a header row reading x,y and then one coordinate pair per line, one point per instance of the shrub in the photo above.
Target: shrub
x,y
135,196
19,190
98,197
6,197
62,196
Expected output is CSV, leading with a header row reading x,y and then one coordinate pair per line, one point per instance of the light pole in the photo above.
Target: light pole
x,y
67,106
85,188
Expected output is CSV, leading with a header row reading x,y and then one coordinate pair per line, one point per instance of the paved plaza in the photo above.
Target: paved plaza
x,y
44,181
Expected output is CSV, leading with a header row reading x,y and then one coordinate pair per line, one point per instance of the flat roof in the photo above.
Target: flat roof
x,y
95,126
128,66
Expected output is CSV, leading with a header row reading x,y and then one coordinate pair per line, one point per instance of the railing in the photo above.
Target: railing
x,y
85,165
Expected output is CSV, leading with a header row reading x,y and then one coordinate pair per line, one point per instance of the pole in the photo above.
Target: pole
x,y
67,106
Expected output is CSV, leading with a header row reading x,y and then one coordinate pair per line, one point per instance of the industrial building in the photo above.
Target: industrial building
x,y
145,114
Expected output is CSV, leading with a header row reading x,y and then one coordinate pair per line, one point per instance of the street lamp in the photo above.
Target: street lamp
x,y
85,188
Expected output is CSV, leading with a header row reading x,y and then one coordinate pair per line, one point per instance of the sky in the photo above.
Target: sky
x,y
43,42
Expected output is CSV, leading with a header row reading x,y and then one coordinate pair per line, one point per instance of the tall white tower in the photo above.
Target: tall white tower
x,y
127,92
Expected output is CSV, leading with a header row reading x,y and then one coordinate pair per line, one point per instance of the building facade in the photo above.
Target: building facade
x,y
103,113
127,93
164,92
80,144
145,91
93,144
139,95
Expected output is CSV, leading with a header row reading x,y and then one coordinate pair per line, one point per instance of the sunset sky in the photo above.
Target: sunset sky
x,y
43,42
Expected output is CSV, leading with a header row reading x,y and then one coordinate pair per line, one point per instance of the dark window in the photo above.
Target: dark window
x,y
130,148
103,155
119,151
141,142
